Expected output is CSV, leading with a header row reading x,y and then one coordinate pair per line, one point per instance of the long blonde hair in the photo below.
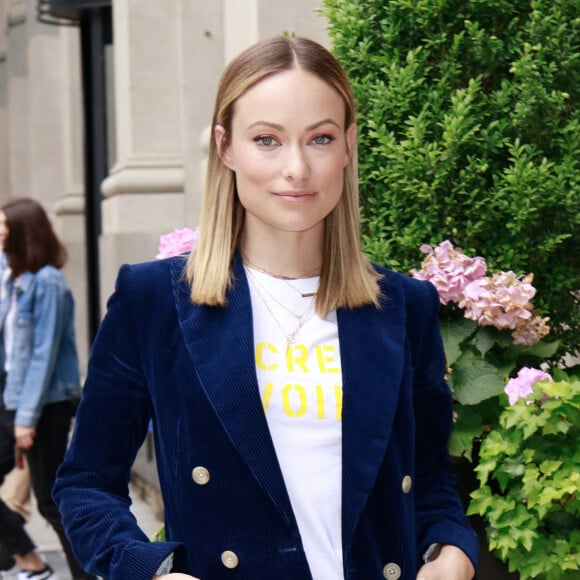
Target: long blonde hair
x,y
347,279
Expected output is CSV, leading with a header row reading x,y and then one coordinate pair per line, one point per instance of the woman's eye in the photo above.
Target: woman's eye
x,y
322,139
265,140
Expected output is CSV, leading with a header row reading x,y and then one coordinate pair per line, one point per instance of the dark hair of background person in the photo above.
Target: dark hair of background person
x,y
31,242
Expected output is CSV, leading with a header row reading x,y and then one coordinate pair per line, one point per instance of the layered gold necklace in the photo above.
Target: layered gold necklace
x,y
265,296
284,278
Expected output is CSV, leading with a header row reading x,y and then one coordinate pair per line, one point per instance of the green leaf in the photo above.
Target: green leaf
x,y
454,332
484,340
558,389
542,349
481,501
484,469
527,537
510,469
467,426
548,467
474,379
531,426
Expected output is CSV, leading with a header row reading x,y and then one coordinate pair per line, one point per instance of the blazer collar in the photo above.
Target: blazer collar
x,y
371,345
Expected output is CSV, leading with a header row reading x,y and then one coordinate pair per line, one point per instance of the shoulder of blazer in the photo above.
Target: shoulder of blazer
x,y
419,296
150,288
419,299
155,275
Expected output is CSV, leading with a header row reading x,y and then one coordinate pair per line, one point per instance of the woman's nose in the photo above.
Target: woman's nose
x,y
296,165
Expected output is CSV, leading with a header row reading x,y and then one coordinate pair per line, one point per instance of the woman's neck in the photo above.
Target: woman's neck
x,y
283,259
278,273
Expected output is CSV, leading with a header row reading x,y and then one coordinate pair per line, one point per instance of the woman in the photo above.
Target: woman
x,y
296,391
40,379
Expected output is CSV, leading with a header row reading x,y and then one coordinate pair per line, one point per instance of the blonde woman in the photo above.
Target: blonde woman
x,y
296,391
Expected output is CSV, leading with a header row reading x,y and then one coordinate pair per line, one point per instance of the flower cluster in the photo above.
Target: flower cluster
x,y
177,242
523,384
501,300
449,270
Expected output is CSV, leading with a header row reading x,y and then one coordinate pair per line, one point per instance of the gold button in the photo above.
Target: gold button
x,y
407,484
392,571
200,475
230,559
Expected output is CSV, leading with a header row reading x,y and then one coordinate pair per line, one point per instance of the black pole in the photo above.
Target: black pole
x,y
95,33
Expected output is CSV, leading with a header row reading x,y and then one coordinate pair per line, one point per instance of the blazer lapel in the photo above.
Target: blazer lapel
x,y
372,354
229,379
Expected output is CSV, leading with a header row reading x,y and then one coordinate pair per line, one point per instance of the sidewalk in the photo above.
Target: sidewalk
x,y
49,546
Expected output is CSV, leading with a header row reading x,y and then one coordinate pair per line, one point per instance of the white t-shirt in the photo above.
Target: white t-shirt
x,y
9,330
301,389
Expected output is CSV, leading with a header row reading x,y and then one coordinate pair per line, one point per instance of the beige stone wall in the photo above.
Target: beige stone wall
x,y
4,141
41,152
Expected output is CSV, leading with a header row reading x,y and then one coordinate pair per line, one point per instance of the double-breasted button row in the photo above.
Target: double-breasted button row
x,y
200,475
392,571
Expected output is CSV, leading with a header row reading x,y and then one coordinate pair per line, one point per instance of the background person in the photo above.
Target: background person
x,y
15,493
40,381
297,393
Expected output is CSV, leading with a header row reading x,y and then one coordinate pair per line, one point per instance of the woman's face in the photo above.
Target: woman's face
x,y
288,148
3,230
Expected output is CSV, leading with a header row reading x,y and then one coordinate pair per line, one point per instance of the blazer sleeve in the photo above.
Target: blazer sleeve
x,y
439,513
92,485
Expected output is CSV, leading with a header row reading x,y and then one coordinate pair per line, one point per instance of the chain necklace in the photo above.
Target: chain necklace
x,y
284,279
256,282
302,294
301,319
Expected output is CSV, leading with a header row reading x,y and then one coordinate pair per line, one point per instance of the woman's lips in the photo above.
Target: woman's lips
x,y
295,195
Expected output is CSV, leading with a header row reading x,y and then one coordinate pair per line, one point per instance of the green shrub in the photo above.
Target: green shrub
x,y
529,476
469,130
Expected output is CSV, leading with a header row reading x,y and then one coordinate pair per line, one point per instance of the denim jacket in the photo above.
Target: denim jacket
x,y
44,366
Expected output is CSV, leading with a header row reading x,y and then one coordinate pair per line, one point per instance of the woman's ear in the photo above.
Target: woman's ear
x,y
223,146
350,142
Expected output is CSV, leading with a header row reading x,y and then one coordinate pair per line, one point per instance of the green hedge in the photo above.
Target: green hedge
x,y
469,130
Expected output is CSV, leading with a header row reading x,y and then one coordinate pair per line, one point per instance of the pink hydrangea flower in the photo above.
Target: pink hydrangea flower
x,y
177,242
449,270
501,300
522,385
531,331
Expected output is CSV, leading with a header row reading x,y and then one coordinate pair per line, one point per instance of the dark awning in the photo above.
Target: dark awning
x,y
69,9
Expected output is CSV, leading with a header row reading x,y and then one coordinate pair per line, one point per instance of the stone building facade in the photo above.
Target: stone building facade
x,y
104,112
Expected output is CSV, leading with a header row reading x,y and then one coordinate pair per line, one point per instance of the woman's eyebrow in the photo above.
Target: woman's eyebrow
x,y
265,124
327,121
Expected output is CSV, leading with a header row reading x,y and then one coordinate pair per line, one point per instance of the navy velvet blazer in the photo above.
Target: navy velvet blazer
x,y
192,370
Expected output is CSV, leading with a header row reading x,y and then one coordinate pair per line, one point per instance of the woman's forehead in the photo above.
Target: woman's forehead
x,y
289,97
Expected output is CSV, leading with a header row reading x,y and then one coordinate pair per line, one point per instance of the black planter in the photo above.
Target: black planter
x,y
490,566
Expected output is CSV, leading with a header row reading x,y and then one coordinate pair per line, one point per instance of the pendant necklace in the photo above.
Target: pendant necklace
x,y
302,318
303,294
256,282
